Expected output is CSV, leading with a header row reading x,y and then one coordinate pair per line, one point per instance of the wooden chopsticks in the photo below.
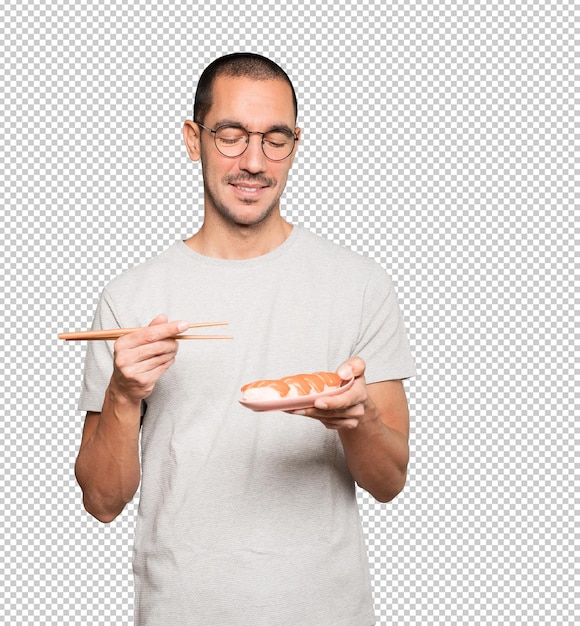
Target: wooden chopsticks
x,y
114,333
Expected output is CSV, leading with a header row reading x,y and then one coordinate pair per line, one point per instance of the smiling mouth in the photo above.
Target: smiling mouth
x,y
249,183
248,193
249,189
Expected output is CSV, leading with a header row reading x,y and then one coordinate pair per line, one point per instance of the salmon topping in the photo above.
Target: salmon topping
x,y
302,384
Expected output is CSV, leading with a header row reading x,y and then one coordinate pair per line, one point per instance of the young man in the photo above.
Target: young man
x,y
246,519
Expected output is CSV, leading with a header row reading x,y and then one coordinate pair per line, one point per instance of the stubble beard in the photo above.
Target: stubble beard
x,y
229,215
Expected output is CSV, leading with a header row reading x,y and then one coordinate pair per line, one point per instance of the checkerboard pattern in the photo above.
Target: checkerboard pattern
x,y
438,138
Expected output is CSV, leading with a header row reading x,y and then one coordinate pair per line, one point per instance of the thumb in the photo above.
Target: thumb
x,y
354,366
160,319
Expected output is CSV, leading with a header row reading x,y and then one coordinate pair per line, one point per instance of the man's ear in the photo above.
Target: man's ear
x,y
191,132
298,133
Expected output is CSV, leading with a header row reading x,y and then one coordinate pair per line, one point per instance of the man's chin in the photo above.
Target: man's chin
x,y
250,223
249,215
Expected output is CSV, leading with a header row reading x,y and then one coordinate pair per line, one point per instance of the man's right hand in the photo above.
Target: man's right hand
x,y
107,466
142,356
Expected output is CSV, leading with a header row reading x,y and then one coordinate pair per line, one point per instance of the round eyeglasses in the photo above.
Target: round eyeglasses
x,y
233,141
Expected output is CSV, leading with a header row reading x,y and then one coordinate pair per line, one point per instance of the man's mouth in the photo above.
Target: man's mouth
x,y
250,184
249,188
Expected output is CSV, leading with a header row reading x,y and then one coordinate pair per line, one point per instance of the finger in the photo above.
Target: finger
x,y
343,402
160,319
354,412
144,378
331,422
153,363
156,331
133,360
354,366
342,424
144,381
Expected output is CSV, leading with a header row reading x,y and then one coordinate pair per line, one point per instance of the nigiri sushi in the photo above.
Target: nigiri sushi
x,y
290,386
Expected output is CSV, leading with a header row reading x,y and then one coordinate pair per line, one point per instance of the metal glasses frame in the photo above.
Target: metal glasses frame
x,y
249,132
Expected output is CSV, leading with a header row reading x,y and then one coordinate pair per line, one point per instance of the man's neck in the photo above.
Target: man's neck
x,y
240,242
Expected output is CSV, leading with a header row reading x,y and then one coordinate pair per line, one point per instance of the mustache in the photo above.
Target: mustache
x,y
245,178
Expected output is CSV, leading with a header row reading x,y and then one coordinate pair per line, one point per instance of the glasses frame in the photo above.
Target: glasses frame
x,y
249,132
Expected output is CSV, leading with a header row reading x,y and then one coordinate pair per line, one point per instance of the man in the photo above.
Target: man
x,y
246,518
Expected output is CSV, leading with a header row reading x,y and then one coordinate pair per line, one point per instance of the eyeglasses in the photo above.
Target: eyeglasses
x,y
233,141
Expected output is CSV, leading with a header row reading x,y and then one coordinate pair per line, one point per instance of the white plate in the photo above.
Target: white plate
x,y
298,402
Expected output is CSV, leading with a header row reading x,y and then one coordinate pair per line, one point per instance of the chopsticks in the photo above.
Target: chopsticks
x,y
112,334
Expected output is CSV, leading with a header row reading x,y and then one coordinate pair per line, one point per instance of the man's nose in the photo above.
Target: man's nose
x,y
253,159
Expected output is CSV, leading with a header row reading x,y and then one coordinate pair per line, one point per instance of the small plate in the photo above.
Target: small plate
x,y
298,402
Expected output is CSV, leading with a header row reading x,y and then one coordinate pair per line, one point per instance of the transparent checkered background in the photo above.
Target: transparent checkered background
x,y
438,139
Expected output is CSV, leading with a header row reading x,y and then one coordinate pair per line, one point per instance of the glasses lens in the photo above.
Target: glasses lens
x,y
278,144
231,141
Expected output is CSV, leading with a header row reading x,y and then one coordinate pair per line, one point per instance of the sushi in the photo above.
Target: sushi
x,y
290,386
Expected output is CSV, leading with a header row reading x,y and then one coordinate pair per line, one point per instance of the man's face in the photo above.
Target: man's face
x,y
246,190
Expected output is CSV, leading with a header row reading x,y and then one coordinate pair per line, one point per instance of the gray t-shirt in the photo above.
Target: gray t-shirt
x,y
250,519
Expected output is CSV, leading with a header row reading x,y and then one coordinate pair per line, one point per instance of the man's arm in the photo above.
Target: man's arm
x,y
373,426
377,450
107,466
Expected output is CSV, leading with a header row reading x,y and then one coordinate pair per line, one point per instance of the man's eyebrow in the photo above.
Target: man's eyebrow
x,y
238,124
228,122
283,127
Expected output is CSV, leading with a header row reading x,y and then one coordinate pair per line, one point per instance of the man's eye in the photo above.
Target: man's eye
x,y
277,140
231,135
230,141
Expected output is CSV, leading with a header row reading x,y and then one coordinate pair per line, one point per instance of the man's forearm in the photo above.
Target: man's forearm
x,y
376,455
107,466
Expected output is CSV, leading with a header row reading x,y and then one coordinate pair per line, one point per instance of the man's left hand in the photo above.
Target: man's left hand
x,y
344,410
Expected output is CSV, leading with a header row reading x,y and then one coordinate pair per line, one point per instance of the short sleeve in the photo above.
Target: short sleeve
x,y
383,342
98,360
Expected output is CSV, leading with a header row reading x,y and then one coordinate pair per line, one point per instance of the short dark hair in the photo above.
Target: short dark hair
x,y
246,64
